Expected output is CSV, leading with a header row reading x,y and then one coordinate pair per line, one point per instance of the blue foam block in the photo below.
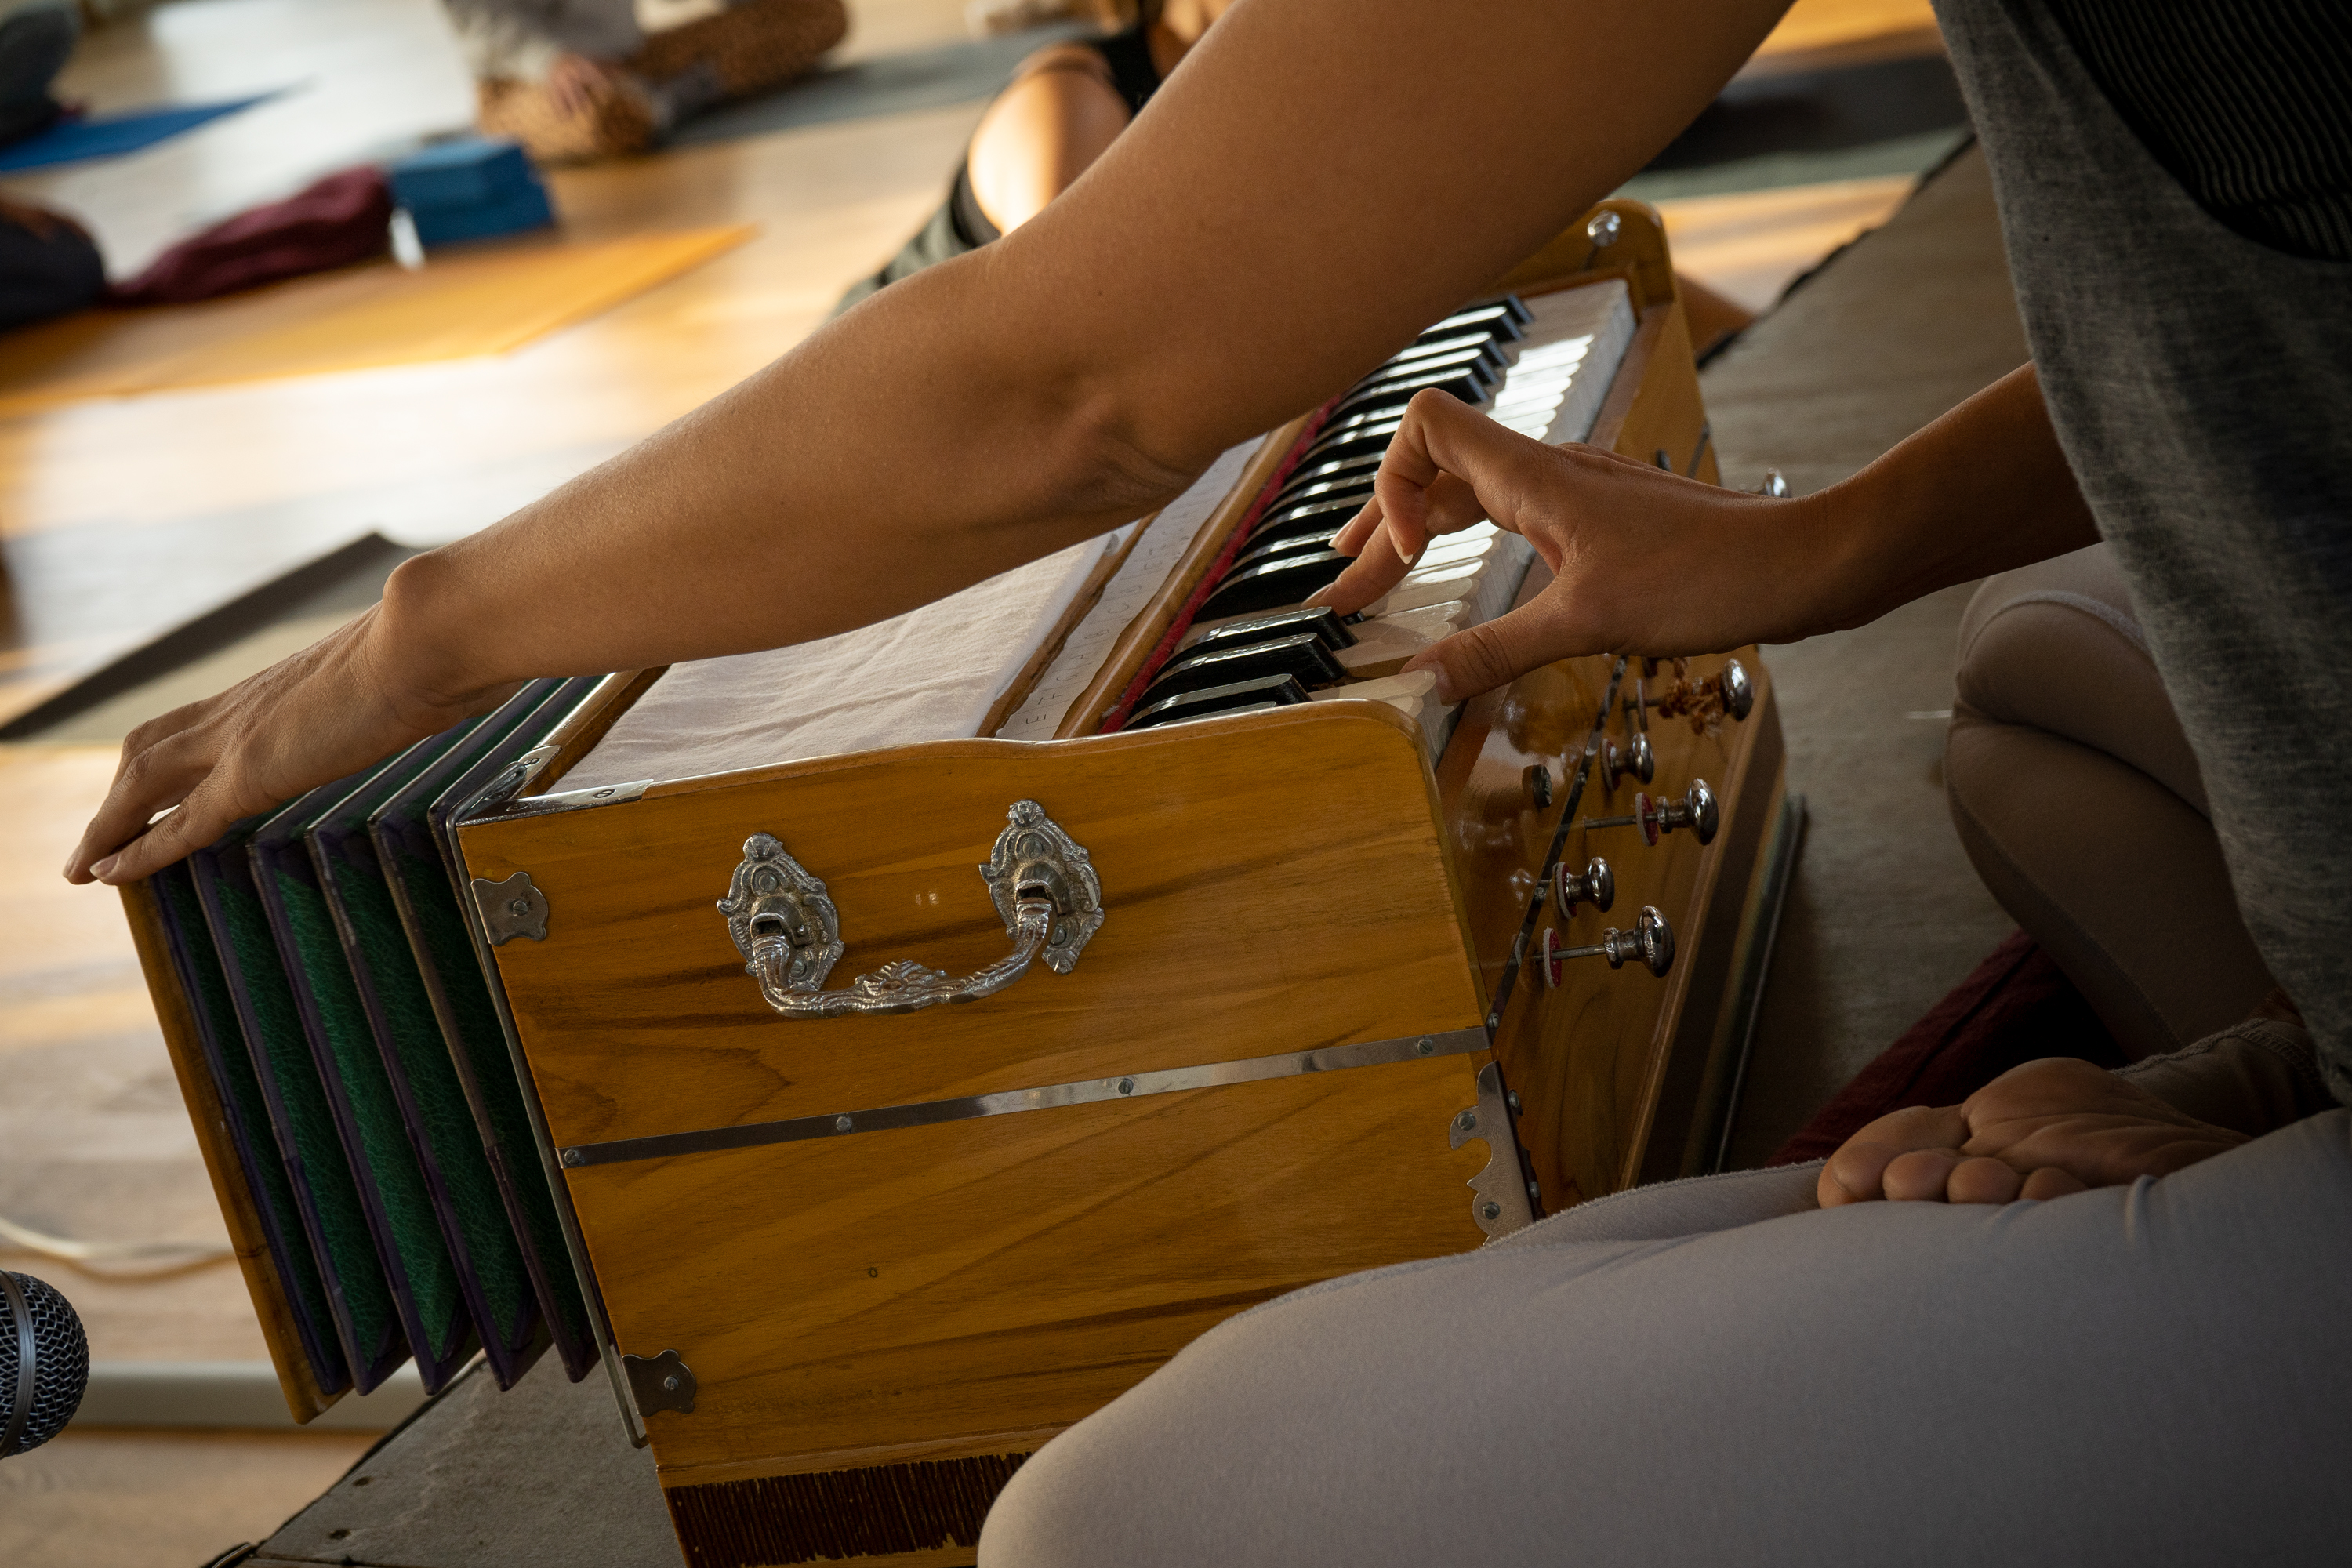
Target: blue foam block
x,y
470,171
526,208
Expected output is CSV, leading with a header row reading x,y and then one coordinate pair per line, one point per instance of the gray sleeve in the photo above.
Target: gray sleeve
x,y
2252,1077
515,40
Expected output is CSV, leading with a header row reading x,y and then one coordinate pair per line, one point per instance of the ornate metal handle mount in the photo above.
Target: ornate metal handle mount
x,y
789,932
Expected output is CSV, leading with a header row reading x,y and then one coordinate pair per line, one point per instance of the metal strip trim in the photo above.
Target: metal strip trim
x,y
1089,1091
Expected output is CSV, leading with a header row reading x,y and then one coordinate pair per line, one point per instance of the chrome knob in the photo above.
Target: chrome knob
x,y
1697,811
1775,484
1595,885
1604,228
1538,779
1634,757
1738,692
1652,941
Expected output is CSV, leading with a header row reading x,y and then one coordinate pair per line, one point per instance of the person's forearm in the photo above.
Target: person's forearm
x,y
1982,489
1212,275
1323,179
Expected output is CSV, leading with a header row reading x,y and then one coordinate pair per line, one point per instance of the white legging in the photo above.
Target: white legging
x,y
1715,1372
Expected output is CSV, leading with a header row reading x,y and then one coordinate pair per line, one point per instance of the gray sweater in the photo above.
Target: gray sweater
x,y
516,40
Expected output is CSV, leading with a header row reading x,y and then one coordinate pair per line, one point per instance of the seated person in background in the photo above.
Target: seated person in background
x,y
37,38
49,266
575,80
1065,105
1069,101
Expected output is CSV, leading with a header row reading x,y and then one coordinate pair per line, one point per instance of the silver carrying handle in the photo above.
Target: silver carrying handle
x,y
789,932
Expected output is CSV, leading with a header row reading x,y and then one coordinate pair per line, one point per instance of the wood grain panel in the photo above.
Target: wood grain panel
x,y
1272,882
1588,1059
912,1290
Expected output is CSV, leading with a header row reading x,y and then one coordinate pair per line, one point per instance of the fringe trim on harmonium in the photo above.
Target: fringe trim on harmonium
x,y
875,1512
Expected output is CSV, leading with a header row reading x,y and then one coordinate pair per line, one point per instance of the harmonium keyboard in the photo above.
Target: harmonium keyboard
x,y
1198,954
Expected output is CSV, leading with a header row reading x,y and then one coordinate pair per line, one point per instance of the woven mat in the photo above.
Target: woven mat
x,y
473,301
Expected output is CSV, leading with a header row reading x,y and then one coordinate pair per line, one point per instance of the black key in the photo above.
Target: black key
x,y
1242,697
1358,482
1302,657
1261,551
1483,362
1507,317
1289,533
1420,349
1362,438
1327,626
1276,584
1342,504
1392,396
1310,474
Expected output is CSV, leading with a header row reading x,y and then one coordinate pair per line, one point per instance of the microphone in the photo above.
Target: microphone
x,y
44,1363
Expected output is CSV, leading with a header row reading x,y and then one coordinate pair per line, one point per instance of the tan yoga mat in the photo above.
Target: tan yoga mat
x,y
473,301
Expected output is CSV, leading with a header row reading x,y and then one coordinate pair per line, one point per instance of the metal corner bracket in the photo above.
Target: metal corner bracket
x,y
660,1383
511,909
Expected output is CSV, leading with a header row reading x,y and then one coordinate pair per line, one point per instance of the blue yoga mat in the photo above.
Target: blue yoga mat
x,y
112,135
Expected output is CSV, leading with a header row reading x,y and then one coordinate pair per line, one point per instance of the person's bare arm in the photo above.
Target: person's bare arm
x,y
1320,181
1647,561
1041,133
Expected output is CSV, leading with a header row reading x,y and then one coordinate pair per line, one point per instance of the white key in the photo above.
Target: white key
x,y
1383,646
1414,696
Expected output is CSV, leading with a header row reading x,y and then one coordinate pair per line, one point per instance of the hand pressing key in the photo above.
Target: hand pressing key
x,y
2041,1129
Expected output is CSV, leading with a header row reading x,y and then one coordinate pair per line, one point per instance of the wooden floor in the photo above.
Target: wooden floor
x,y
120,517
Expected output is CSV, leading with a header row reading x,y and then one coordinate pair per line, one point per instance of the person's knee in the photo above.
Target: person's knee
x,y
2056,647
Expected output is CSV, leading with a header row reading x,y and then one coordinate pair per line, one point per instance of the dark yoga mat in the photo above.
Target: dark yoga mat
x,y
112,135
891,84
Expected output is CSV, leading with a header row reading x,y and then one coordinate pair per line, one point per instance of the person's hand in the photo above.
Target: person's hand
x,y
573,82
2041,1129
329,710
1644,561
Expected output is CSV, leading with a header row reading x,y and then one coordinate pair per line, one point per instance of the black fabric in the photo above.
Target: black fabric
x,y
2248,103
49,275
960,226
1133,75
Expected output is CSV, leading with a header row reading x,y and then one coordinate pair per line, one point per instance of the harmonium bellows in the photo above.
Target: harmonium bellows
x,y
880,1053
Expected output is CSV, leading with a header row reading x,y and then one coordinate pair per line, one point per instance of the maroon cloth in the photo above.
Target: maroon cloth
x,y
343,218
2014,1007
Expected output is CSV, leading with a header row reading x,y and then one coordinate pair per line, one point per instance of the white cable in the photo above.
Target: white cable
x,y
161,1254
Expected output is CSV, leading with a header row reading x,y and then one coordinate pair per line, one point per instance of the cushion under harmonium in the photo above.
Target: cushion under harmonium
x,y
878,1053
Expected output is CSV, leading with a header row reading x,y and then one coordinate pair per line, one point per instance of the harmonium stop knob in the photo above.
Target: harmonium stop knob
x,y
1634,757
1652,941
1698,812
1738,692
1595,885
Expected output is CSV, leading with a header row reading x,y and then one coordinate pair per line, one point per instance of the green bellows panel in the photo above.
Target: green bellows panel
x,y
439,1117
440,1331
470,1023
326,1194
247,1112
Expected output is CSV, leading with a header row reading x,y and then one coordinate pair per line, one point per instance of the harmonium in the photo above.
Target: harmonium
x,y
877,1054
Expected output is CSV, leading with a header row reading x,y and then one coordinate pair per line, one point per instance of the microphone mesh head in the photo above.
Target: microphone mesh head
x,y
61,1367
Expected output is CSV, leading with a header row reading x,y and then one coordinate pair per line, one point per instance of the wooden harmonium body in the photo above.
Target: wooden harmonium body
x,y
882,1053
